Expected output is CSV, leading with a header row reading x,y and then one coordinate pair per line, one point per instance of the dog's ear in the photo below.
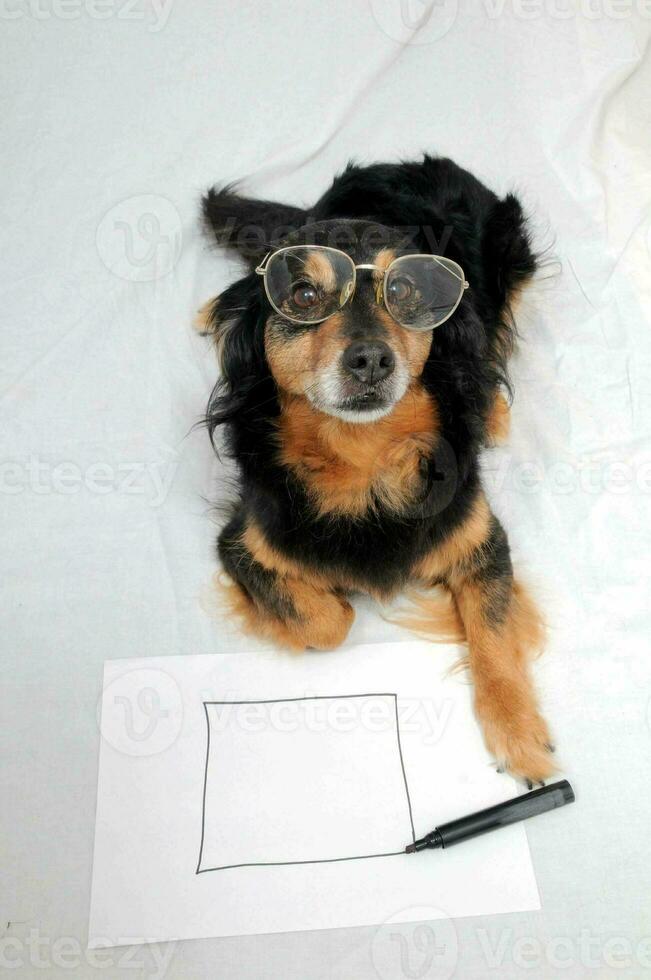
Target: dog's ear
x,y
508,258
444,209
246,225
232,320
235,319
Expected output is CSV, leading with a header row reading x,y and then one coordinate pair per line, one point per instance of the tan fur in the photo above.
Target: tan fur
x,y
383,260
296,361
505,701
413,345
202,322
458,546
259,548
318,268
271,559
208,323
324,617
499,421
498,653
346,466
433,615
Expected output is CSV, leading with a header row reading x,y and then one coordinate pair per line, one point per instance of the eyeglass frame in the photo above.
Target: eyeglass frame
x,y
261,270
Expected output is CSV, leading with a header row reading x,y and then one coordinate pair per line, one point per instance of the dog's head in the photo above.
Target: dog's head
x,y
328,335
325,314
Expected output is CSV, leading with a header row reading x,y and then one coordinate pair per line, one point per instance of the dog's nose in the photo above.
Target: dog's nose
x,y
369,360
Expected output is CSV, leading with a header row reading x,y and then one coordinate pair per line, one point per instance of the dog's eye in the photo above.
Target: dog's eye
x,y
400,289
304,295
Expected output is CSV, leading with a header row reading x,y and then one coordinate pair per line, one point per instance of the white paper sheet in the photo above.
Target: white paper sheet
x,y
261,792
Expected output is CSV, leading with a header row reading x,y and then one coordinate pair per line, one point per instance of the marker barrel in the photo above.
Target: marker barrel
x,y
512,811
521,808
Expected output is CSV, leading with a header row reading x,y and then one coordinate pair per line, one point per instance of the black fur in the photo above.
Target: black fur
x,y
442,209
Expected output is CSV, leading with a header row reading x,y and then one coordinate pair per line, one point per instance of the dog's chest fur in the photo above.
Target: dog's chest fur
x,y
353,469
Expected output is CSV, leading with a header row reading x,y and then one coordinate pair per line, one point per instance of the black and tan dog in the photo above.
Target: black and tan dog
x,y
356,393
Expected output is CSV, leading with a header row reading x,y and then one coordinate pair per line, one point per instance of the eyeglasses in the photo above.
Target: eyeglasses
x,y
308,283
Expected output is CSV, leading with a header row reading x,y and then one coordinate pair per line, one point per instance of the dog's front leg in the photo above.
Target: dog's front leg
x,y
503,628
276,600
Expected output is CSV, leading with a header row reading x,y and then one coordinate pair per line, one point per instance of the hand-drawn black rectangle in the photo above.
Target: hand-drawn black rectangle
x,y
301,785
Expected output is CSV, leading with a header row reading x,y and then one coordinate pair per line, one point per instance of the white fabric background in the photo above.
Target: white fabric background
x,y
132,110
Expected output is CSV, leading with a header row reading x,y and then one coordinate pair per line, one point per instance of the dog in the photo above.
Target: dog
x,y
363,369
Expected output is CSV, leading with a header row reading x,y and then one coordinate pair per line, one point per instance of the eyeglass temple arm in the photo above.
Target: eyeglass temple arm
x,y
261,269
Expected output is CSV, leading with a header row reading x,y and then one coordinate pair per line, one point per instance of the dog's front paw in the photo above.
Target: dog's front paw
x,y
519,741
329,625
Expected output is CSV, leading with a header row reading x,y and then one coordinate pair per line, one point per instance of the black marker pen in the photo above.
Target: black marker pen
x,y
512,811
